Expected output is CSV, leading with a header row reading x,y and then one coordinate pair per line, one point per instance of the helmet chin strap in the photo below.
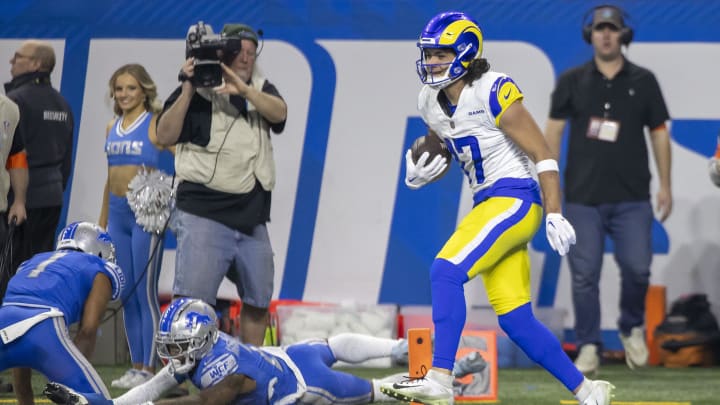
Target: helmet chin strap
x,y
441,85
189,363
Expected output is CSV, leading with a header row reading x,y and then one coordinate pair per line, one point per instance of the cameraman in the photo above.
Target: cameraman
x,y
226,170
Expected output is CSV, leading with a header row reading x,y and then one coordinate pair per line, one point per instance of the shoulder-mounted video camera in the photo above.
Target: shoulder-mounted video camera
x,y
209,49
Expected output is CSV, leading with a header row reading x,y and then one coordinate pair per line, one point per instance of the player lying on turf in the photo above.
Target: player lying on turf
x,y
229,372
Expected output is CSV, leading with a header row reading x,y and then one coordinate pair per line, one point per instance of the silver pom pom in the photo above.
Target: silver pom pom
x,y
150,195
714,171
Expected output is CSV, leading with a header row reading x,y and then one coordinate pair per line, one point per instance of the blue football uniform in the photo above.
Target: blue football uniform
x,y
296,374
275,375
46,295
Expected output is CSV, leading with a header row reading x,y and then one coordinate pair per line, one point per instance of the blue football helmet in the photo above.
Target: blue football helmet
x,y
188,330
89,238
450,30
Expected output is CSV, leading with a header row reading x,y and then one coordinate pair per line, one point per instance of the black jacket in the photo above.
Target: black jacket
x,y
46,126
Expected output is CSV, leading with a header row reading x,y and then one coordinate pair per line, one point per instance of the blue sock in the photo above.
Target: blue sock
x,y
448,310
540,345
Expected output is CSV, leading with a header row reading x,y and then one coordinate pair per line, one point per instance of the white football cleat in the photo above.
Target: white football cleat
x,y
602,392
427,390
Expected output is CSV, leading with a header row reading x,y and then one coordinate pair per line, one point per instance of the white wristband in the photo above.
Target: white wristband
x,y
547,165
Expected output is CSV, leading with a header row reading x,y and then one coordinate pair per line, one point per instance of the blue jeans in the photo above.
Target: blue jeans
x,y
629,225
207,251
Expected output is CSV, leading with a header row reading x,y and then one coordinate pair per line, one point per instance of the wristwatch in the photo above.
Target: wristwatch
x,y
182,77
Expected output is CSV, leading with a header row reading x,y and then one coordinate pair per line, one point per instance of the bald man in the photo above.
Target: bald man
x,y
46,128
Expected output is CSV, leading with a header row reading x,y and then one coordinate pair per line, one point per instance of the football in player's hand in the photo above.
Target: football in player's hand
x,y
434,146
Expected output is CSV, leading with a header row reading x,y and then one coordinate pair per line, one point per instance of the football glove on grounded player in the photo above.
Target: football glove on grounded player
x,y
419,174
559,232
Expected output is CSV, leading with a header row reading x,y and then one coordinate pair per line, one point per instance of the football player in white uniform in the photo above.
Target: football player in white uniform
x,y
479,115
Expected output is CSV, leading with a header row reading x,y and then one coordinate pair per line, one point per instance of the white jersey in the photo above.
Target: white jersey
x,y
484,152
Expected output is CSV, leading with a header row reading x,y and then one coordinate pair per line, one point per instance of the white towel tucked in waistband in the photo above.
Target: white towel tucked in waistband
x,y
14,331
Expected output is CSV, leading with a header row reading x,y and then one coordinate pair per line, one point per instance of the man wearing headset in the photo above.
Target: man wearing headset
x,y
609,101
225,165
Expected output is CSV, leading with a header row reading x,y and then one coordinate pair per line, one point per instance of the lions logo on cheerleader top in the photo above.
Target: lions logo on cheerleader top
x,y
132,145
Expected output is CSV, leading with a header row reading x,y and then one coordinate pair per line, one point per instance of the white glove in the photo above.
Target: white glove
x,y
179,368
420,174
559,232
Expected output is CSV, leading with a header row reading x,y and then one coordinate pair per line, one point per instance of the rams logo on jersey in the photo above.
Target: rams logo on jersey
x,y
503,93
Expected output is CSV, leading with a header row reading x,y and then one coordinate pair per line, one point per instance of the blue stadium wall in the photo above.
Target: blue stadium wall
x,y
344,226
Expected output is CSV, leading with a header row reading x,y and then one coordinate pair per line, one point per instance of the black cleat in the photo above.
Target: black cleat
x,y
63,395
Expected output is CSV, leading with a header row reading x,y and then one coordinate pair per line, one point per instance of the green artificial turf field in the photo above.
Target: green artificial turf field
x,y
651,386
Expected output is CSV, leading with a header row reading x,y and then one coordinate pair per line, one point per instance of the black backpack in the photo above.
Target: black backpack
x,y
690,313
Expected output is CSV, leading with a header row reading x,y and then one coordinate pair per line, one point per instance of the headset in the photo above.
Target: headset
x,y
626,33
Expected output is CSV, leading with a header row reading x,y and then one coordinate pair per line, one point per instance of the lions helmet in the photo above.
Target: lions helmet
x,y
188,329
450,30
89,238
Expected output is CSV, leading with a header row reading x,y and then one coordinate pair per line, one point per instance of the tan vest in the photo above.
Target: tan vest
x,y
9,117
239,150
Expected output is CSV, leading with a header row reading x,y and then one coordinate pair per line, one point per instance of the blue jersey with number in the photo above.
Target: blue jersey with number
x,y
61,279
275,375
